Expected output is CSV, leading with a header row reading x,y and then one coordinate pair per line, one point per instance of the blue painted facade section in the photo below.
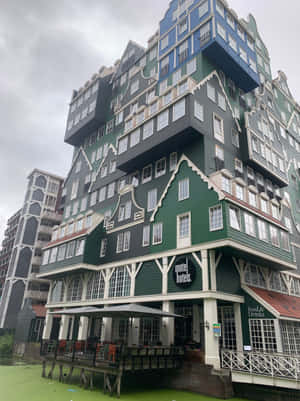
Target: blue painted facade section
x,y
217,49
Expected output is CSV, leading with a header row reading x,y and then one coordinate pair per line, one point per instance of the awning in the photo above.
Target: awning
x,y
125,311
286,306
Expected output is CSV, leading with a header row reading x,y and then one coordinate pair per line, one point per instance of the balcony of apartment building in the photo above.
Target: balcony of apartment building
x,y
36,295
36,260
45,229
51,216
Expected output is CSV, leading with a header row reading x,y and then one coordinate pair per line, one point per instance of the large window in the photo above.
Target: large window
x,y
157,233
274,236
119,283
184,230
125,211
262,333
151,200
262,230
218,128
146,235
162,120
149,331
95,286
249,224
179,110
123,242
215,218
74,291
234,218
290,332
148,129
227,319
183,189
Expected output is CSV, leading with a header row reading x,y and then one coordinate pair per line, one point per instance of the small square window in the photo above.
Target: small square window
x,y
160,167
147,174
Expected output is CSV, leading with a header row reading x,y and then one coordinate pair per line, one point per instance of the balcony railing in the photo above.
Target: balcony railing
x,y
45,229
52,216
265,364
36,260
93,353
38,295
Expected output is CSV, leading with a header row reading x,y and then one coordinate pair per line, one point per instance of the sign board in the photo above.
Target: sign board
x,y
247,348
184,273
217,329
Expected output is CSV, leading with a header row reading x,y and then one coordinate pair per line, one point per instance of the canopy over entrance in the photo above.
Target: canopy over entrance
x,y
125,311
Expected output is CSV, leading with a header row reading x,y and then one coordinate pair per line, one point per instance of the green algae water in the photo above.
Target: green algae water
x,y
24,383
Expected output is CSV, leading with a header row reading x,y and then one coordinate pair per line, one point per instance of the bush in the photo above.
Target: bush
x,y
6,345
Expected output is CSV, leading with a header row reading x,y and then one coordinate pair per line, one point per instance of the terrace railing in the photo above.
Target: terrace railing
x,y
112,355
265,364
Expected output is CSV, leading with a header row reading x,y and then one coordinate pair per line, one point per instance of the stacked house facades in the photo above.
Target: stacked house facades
x,y
183,193
24,294
7,246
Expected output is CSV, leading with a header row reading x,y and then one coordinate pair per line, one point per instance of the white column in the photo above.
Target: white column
x,y
64,325
204,261
278,335
133,332
213,270
83,328
106,331
47,326
211,342
196,323
238,326
165,276
132,281
168,325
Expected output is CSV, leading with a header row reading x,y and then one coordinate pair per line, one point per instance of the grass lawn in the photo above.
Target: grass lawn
x,y
24,383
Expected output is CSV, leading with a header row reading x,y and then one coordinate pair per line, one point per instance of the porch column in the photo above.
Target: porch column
x,y
196,323
134,332
168,325
47,326
211,342
83,328
106,331
64,325
238,326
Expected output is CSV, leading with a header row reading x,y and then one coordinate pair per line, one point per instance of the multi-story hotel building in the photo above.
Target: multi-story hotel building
x,y
183,194
24,294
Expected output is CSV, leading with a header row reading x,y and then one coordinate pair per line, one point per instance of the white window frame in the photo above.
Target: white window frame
x,y
220,219
183,242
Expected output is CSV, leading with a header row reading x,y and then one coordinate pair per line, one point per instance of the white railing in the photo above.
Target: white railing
x,y
259,363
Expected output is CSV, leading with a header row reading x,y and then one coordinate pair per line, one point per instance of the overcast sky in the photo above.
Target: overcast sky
x,y
48,48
